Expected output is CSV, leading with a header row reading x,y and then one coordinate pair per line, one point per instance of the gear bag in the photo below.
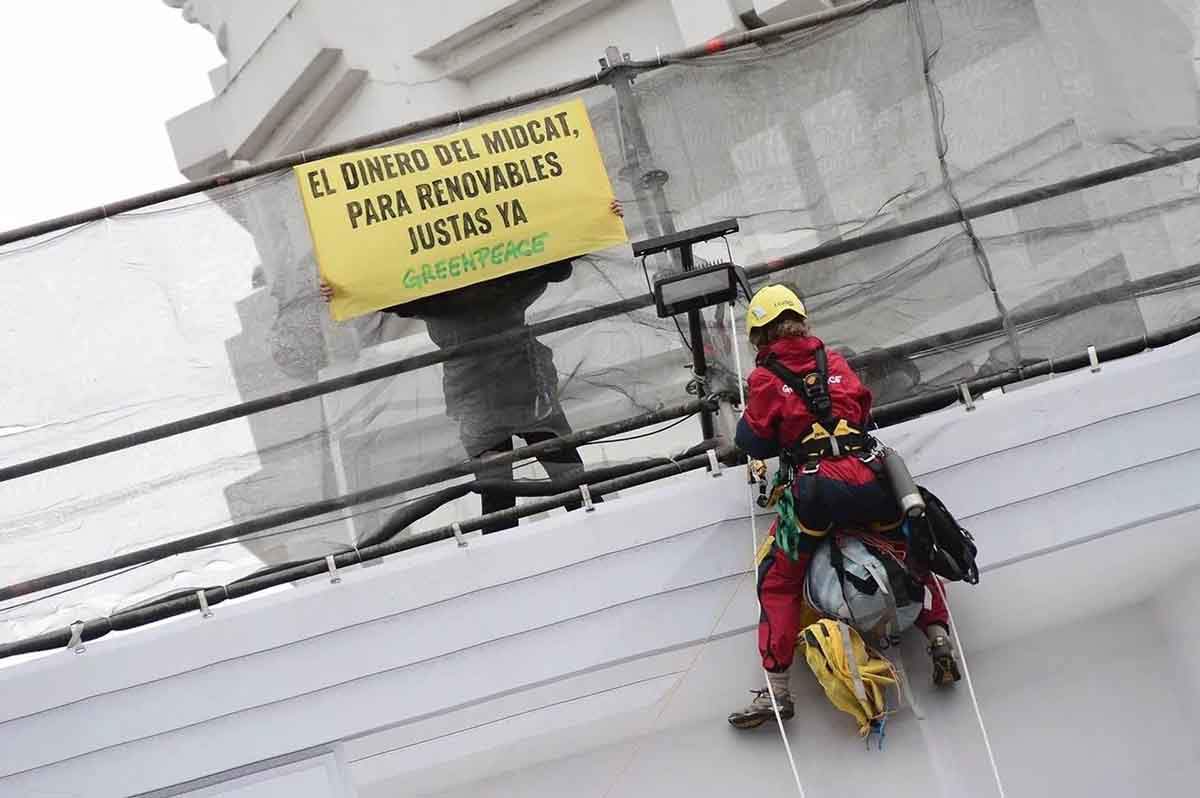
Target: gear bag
x,y
873,593
941,544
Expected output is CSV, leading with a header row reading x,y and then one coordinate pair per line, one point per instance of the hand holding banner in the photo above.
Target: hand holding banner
x,y
398,223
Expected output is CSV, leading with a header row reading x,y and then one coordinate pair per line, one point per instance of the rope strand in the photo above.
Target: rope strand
x,y
737,359
987,741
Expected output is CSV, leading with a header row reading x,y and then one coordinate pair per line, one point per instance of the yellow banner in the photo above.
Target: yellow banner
x,y
398,223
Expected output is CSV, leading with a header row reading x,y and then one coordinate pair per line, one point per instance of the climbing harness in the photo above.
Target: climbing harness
x,y
829,436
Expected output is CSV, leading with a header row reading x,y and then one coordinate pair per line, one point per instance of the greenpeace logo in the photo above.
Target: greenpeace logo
x,y
462,265
836,379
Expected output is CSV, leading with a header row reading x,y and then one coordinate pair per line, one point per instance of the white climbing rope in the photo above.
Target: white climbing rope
x,y
987,741
737,359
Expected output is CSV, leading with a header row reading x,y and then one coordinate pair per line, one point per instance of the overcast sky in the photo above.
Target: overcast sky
x,y
87,88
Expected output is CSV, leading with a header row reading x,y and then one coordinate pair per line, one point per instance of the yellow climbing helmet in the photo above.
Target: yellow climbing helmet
x,y
769,302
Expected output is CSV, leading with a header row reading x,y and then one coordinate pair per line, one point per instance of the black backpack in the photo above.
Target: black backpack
x,y
939,543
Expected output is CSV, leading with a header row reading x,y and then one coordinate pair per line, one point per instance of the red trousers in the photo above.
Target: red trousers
x,y
781,594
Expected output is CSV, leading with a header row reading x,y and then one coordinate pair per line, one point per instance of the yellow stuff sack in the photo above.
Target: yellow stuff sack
x,y
855,678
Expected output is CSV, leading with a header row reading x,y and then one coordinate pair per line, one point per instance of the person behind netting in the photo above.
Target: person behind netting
x,y
836,488
502,393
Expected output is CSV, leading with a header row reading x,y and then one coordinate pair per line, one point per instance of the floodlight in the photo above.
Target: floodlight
x,y
686,291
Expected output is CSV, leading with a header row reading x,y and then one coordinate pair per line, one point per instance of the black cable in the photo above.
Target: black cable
x,y
650,289
190,601
820,252
672,425
64,591
282,532
235,542
316,524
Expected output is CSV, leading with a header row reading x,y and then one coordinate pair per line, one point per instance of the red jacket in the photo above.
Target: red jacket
x,y
776,416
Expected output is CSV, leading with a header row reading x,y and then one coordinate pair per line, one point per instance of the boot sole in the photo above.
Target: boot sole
x,y
747,723
754,721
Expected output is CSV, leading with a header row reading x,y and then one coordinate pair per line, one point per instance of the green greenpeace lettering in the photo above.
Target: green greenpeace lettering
x,y
467,263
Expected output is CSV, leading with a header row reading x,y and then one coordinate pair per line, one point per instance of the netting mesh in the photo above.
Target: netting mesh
x,y
902,113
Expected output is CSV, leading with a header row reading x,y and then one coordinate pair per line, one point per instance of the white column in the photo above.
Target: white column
x,y
773,11
701,20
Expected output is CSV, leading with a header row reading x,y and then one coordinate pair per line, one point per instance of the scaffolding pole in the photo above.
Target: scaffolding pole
x,y
314,509
192,601
822,251
456,117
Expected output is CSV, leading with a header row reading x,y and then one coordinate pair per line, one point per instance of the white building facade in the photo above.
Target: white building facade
x,y
596,654
302,73
804,141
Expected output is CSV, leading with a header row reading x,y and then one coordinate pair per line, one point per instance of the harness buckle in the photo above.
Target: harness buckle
x,y
811,467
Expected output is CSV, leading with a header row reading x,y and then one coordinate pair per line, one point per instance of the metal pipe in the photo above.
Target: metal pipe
x,y
764,34
645,178
885,415
653,209
285,398
820,252
525,488
696,339
978,210
427,124
906,409
1029,315
569,322
133,618
314,509
295,159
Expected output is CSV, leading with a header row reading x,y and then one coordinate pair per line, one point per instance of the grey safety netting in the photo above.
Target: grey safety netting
x,y
904,112
842,130
209,301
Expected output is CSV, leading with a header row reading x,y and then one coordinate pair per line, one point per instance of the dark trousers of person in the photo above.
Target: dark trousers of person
x,y
560,464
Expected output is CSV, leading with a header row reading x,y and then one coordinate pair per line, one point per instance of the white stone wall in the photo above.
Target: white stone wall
x,y
597,654
305,73
407,60
411,60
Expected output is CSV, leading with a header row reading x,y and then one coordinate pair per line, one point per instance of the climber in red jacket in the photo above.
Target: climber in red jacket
x,y
835,485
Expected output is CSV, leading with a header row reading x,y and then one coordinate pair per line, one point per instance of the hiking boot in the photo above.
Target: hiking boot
x,y
759,711
945,664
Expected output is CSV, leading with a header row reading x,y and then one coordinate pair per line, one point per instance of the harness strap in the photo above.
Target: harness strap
x,y
838,561
829,436
860,689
